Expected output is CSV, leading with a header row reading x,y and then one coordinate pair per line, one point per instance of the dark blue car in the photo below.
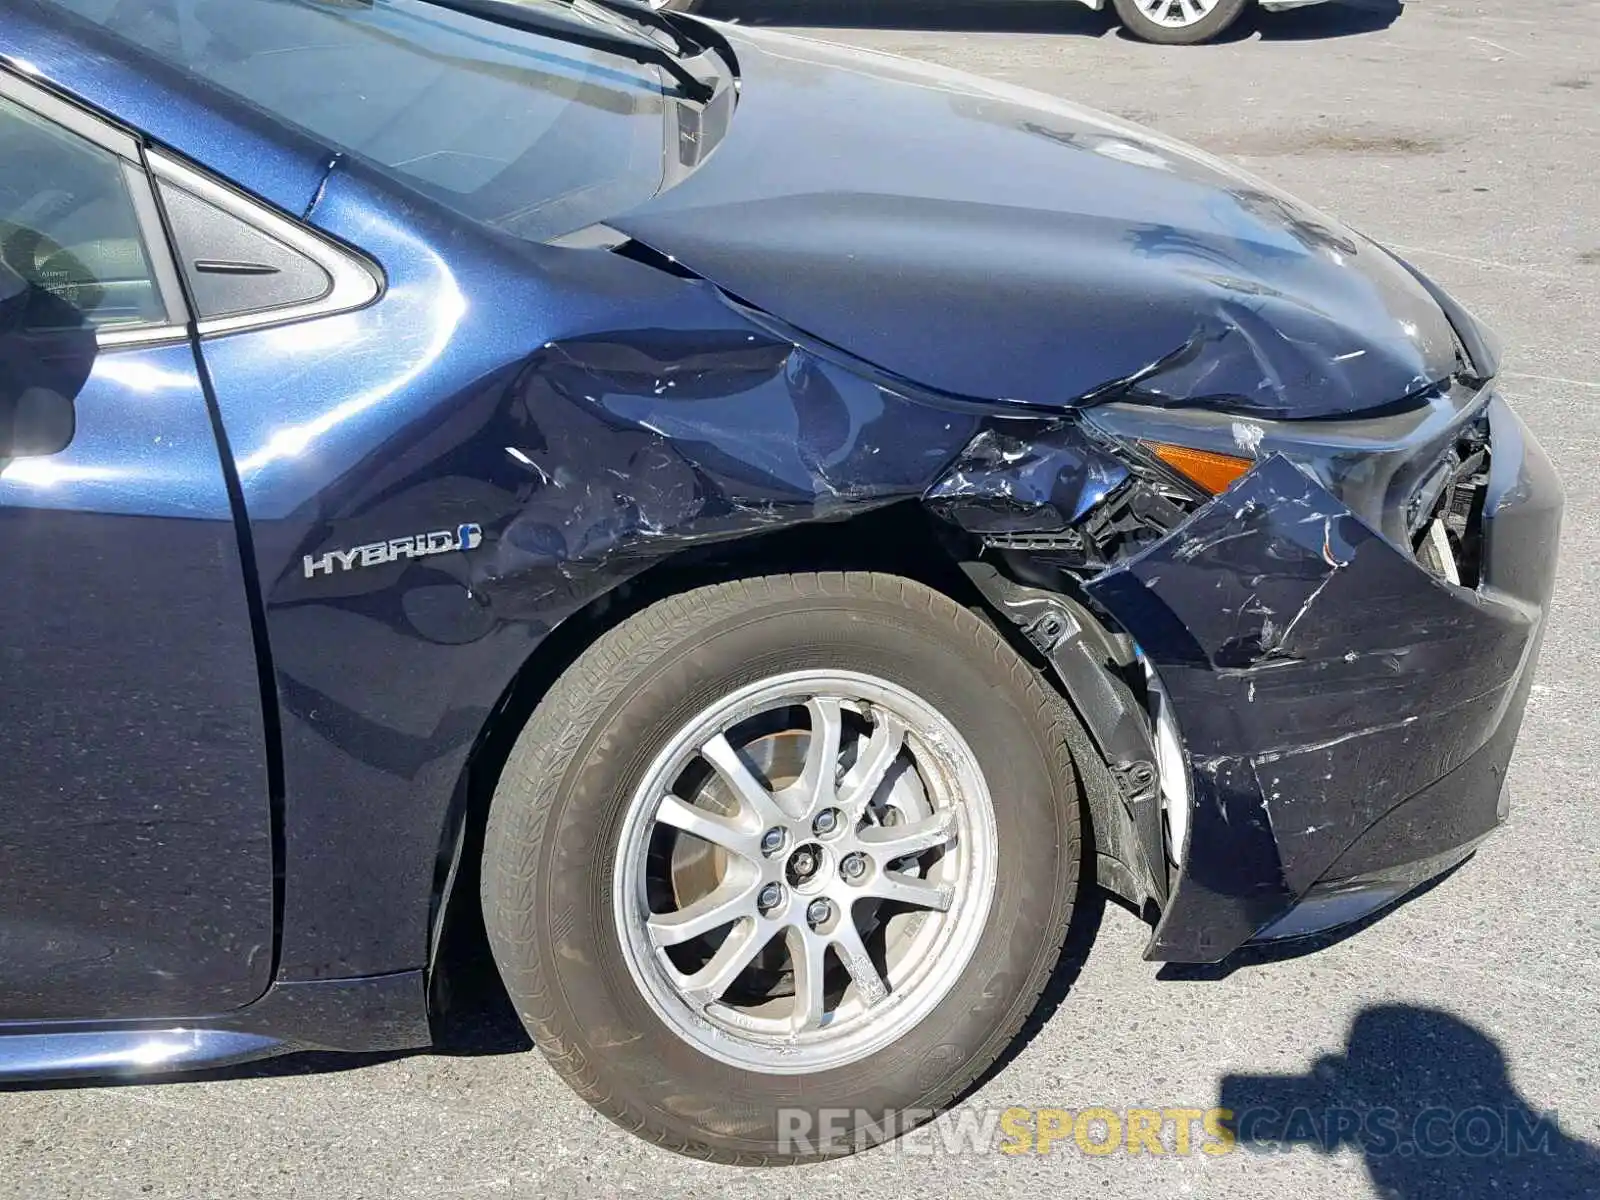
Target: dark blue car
x,y
755,528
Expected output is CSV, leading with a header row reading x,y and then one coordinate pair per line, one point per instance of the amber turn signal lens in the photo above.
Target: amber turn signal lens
x,y
1214,472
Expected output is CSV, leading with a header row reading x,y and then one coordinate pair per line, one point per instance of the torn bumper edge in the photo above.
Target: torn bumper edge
x,y
1348,718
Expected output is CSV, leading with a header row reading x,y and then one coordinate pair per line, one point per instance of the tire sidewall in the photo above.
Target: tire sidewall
x,y
1213,24
576,946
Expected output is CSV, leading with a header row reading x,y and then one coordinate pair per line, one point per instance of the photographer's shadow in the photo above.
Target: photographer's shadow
x,y
1427,1100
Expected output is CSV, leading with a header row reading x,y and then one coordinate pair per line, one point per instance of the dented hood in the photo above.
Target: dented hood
x,y
994,243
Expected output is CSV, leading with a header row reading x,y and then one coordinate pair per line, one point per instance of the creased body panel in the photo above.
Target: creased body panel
x,y
1016,247
583,418
1321,678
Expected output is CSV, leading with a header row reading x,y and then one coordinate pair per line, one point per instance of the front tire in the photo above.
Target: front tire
x,y
780,866
1178,22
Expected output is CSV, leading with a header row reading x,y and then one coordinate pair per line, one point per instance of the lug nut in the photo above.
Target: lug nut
x,y
853,867
769,897
772,840
818,911
827,821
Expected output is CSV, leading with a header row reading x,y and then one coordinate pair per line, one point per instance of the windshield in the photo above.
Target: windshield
x,y
531,134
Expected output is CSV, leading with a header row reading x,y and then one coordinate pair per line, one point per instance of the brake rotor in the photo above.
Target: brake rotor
x,y
697,867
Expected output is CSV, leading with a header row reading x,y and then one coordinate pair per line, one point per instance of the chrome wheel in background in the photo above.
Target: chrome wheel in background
x,y
1177,14
1178,22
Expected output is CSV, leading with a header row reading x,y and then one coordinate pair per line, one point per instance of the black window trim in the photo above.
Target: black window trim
x,y
357,282
125,146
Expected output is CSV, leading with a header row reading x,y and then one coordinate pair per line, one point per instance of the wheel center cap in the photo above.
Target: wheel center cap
x,y
805,864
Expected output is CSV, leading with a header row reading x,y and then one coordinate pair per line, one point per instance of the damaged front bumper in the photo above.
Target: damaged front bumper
x,y
1347,715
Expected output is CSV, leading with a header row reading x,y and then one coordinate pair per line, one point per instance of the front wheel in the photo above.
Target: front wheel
x,y
780,866
1178,22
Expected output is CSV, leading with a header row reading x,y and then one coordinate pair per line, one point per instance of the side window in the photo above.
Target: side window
x,y
71,253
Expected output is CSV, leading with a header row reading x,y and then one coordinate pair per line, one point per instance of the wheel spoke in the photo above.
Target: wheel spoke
x,y
908,889
868,805
1176,13
819,779
752,796
743,943
891,842
808,952
708,826
852,951
876,757
712,911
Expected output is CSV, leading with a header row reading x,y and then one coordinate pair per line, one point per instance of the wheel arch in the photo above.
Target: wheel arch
x,y
901,539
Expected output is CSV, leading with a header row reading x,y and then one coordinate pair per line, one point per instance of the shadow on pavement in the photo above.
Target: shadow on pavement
x,y
1339,18
928,16
1427,1101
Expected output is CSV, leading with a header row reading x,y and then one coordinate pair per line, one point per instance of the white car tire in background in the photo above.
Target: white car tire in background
x,y
1178,22
764,750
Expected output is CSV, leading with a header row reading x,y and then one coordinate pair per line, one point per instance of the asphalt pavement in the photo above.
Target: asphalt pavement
x,y
1466,135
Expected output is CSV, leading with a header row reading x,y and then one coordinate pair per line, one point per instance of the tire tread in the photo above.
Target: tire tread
x,y
552,739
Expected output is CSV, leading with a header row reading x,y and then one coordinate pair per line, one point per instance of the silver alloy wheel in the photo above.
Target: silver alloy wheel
x,y
1177,14
805,871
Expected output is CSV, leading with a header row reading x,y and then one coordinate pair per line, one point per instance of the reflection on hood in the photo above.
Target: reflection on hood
x,y
1018,248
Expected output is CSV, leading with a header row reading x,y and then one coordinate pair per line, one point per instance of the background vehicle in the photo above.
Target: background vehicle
x,y
446,466
1172,22
1184,22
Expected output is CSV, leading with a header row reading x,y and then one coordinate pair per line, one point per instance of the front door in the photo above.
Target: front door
x,y
136,873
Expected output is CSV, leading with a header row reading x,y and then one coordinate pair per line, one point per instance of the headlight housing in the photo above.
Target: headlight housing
x,y
1391,470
